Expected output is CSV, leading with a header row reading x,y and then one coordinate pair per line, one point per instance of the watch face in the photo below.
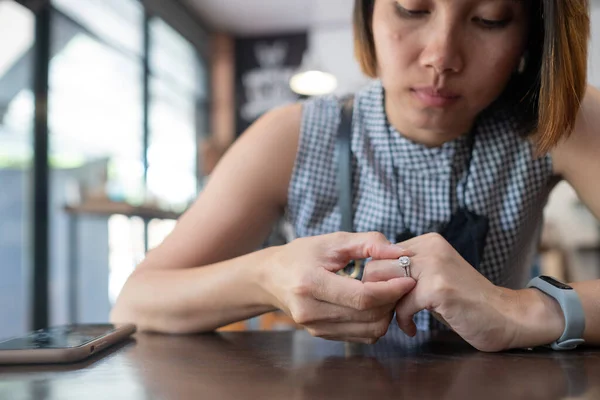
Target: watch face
x,y
555,283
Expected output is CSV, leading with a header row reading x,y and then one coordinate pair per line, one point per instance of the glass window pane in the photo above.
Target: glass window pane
x,y
95,106
158,230
174,59
177,116
126,250
172,146
119,22
16,121
95,112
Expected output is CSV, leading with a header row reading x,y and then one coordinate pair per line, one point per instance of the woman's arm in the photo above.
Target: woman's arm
x,y
185,285
246,193
499,318
577,160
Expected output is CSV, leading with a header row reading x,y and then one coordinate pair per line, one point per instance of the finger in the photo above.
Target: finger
x,y
382,270
351,339
348,246
406,309
440,319
322,312
335,289
372,330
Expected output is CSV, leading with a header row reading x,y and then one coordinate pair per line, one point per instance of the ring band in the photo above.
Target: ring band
x,y
404,262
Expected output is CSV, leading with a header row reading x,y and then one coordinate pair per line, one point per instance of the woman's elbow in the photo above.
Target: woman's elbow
x,y
125,309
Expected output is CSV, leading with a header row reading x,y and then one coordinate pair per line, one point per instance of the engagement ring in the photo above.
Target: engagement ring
x,y
404,262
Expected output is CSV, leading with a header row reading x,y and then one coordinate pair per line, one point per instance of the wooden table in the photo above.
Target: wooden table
x,y
293,365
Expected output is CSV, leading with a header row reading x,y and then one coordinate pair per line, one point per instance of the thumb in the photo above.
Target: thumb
x,y
382,270
348,246
332,288
406,309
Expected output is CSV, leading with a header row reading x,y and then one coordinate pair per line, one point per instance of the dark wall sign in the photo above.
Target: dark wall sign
x,y
264,66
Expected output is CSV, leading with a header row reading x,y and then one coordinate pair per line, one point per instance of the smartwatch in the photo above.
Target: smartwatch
x,y
571,307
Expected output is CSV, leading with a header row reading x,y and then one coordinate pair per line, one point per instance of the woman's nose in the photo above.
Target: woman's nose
x,y
442,49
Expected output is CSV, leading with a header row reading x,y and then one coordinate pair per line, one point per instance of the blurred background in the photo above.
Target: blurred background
x,y
114,112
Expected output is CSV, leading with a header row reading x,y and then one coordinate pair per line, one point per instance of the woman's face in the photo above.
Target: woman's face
x,y
444,61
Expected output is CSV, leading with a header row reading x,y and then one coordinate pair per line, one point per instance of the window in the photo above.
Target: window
x,y
177,103
126,250
118,22
96,111
103,148
95,122
16,148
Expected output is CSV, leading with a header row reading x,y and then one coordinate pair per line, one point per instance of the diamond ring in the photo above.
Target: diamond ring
x,y
404,262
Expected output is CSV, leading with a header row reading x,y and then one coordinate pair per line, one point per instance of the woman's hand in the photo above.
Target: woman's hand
x,y
487,316
301,280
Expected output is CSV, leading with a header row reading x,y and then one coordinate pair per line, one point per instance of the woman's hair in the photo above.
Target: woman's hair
x,y
548,94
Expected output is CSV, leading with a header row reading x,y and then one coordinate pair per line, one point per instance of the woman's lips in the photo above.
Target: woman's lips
x,y
431,97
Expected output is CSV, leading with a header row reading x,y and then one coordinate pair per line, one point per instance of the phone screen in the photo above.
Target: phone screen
x,y
68,336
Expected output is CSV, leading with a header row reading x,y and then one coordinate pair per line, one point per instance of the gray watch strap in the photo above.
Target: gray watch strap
x,y
572,310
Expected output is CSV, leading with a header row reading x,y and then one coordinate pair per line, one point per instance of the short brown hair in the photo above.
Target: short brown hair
x,y
549,92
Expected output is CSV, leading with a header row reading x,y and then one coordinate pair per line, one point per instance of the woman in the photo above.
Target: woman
x,y
479,107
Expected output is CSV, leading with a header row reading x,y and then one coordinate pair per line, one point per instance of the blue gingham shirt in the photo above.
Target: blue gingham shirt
x,y
506,182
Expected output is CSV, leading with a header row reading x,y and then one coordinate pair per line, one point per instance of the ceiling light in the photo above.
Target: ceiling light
x,y
311,80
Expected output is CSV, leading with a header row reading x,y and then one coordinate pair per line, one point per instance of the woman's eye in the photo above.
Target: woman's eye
x,y
491,23
406,13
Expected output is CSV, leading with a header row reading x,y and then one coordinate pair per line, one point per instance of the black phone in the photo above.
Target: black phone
x,y
63,344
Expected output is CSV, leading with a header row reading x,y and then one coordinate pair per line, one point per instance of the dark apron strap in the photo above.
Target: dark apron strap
x,y
344,168
344,179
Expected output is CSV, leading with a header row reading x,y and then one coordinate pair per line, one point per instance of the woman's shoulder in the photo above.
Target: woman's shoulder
x,y
321,115
320,112
585,131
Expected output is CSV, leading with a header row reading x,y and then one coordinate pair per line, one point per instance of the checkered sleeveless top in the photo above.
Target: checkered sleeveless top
x,y
399,184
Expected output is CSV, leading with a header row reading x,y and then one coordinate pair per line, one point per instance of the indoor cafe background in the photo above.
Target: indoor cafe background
x,y
143,97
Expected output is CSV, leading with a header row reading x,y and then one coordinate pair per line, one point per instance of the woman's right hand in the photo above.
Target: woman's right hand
x,y
301,280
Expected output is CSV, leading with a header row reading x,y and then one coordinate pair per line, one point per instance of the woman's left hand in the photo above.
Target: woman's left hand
x,y
484,315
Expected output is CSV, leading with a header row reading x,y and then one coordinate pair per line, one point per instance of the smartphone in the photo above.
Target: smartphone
x,y
63,344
